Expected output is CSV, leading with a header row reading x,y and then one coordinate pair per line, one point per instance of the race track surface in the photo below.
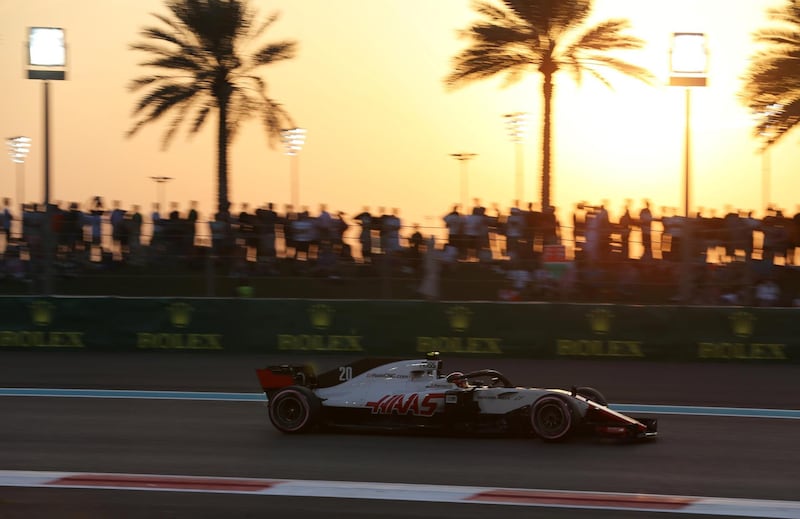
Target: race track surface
x,y
700,456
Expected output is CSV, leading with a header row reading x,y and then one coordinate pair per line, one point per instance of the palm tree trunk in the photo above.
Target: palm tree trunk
x,y
547,94
223,136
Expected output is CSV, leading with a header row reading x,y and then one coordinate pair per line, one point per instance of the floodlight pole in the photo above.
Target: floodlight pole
x,y
46,62
160,181
687,154
295,181
688,68
18,148
766,174
21,187
464,158
517,124
48,227
46,85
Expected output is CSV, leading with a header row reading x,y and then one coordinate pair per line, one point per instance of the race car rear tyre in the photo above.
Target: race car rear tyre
x,y
294,409
551,418
590,393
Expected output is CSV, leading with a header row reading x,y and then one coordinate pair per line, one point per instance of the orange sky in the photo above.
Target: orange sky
x,y
367,85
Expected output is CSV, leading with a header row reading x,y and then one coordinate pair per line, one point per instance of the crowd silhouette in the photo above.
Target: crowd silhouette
x,y
519,254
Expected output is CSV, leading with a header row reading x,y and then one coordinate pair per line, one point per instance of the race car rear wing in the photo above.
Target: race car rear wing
x,y
276,377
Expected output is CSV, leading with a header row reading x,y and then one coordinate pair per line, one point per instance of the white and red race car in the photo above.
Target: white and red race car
x,y
376,393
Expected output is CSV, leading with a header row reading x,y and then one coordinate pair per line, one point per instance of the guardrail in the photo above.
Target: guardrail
x,y
402,328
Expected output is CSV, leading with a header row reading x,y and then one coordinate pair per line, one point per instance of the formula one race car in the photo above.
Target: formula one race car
x,y
415,395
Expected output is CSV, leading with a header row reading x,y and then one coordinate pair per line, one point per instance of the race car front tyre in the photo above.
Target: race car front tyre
x,y
590,393
551,418
294,409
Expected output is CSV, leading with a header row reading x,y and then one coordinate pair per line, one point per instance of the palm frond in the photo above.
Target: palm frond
x,y
493,14
502,42
144,81
594,62
266,24
777,37
152,48
185,50
182,111
771,85
161,35
163,98
774,121
787,14
180,62
608,36
476,64
492,34
158,102
551,18
597,75
201,117
274,52
274,119
172,23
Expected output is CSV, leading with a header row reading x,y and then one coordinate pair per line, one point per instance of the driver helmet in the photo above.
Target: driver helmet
x,y
457,378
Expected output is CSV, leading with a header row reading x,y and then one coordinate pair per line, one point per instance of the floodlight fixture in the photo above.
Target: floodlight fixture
x,y
688,59
47,53
18,148
293,141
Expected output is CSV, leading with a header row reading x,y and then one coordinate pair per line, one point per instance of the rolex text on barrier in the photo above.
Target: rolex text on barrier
x,y
402,328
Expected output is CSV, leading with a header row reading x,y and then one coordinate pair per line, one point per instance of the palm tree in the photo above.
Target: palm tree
x,y
202,54
519,36
772,83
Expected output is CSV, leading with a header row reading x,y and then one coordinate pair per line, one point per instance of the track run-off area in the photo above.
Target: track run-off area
x,y
93,434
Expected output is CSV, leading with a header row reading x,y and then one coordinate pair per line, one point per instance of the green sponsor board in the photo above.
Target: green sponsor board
x,y
403,328
619,332
745,334
42,323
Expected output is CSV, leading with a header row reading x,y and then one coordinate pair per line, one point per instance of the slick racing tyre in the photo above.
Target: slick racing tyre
x,y
551,418
294,409
590,393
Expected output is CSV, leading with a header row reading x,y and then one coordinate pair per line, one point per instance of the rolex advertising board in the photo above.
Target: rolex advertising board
x,y
402,328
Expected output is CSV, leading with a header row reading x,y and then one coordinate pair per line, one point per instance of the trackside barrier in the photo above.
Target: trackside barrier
x,y
402,328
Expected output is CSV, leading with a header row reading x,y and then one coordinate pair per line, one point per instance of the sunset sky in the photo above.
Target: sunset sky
x,y
368,86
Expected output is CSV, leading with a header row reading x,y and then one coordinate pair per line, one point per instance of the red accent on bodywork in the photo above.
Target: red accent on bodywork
x,y
599,413
611,430
270,380
407,404
165,482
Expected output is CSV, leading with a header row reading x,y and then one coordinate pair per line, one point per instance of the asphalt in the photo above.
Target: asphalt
x,y
716,384
706,456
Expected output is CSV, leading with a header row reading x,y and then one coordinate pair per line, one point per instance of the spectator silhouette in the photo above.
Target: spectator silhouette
x,y
364,218
645,222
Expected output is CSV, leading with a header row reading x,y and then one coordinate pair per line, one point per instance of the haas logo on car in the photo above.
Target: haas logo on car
x,y
413,403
